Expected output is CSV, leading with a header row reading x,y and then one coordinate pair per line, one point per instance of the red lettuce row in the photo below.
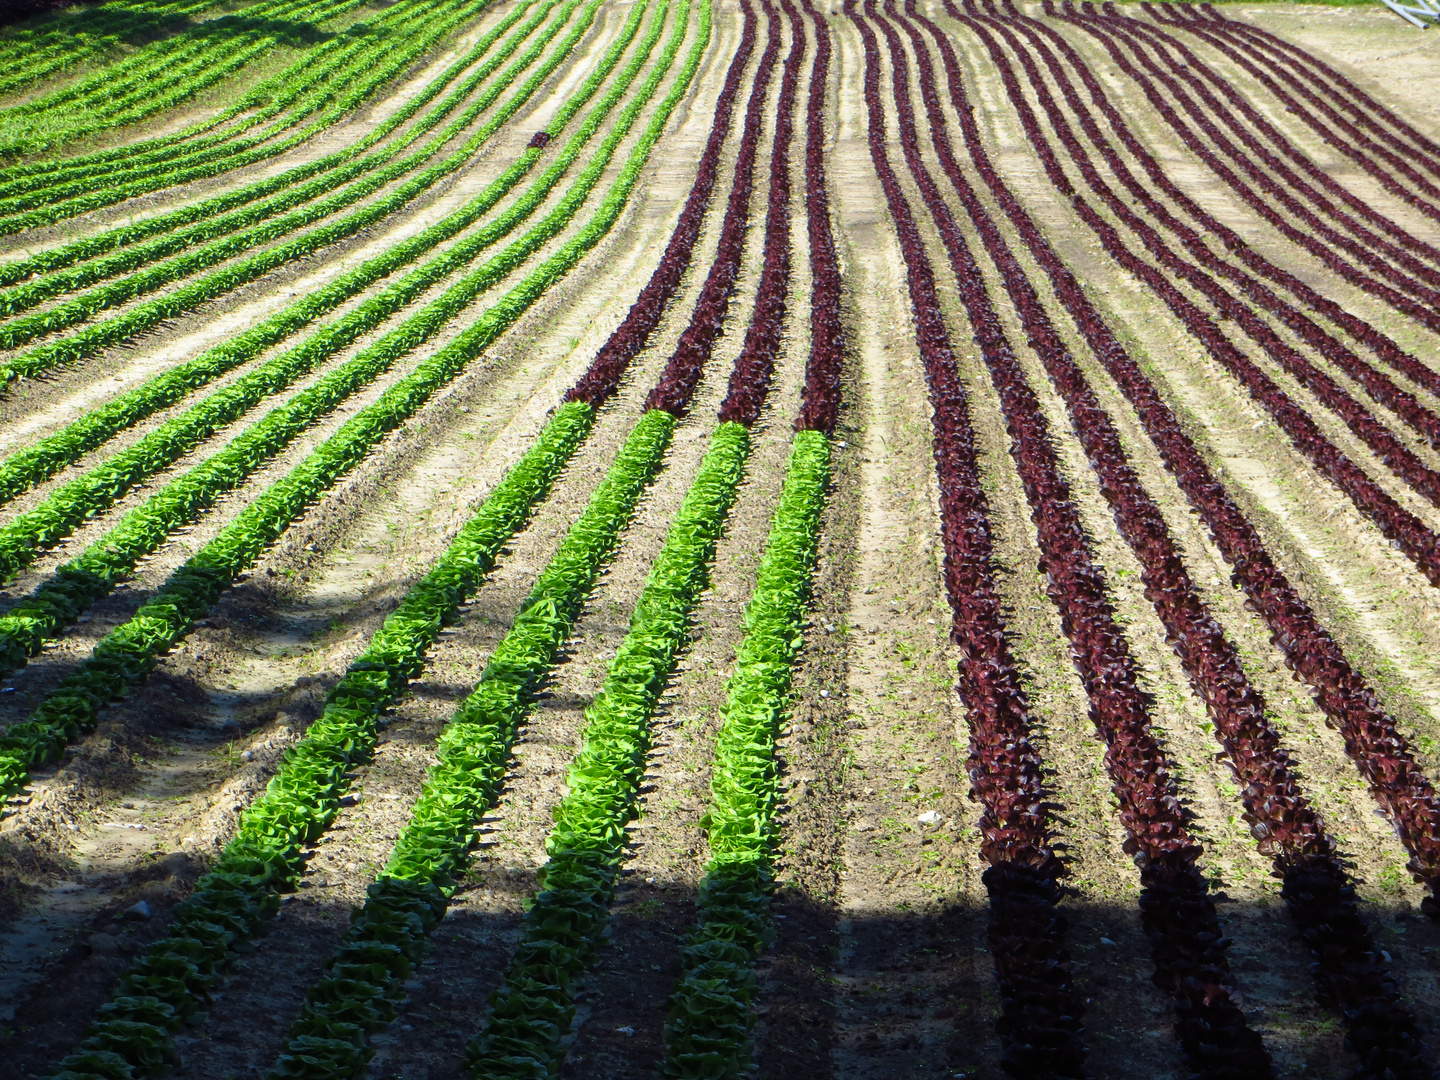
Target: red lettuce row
x,y
1039,1022
1330,126
1396,523
755,366
820,396
1176,910
1368,112
1360,331
1316,888
1287,827
1387,447
687,363
1372,738
1263,164
1319,240
1377,384
631,336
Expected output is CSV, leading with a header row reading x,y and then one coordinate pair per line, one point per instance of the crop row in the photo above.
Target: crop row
x,y
532,1008
128,73
125,657
25,469
273,95
712,1007
142,317
1379,386
1331,126
57,515
1316,887
149,147
471,759
252,219
28,467
234,900
1387,447
755,366
33,54
1382,346
324,75
1176,911
329,1038
317,78
239,894
1359,148
562,931
1040,1010
1288,828
1329,82
1200,78
26,627
707,320
221,50
820,396
205,209
633,333
1317,238
1393,520
1372,739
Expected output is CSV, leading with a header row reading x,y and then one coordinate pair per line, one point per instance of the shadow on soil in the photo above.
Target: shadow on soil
x,y
819,1016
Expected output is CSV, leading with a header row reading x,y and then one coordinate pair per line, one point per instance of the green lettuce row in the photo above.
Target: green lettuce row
x,y
329,1040
712,1012
533,1008
28,467
201,72
334,76
125,656
123,71
69,254
100,27
80,582
48,286
315,80
145,316
238,897
183,71
173,57
235,900
170,49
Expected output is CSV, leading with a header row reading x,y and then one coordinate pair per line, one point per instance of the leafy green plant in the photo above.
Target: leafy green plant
x,y
80,582
239,895
712,1007
533,1007
25,628
147,315
170,71
125,656
58,209
471,757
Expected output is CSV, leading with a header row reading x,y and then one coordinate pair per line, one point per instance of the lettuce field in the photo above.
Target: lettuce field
x,y
698,539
